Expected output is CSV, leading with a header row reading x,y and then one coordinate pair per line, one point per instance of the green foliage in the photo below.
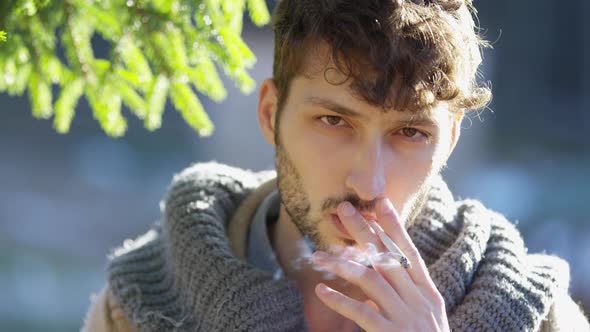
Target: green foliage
x,y
158,49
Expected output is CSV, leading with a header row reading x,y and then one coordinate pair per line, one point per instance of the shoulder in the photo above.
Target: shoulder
x,y
200,198
216,174
537,283
105,314
565,315
199,185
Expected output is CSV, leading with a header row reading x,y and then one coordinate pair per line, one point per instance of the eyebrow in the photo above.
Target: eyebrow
x,y
422,119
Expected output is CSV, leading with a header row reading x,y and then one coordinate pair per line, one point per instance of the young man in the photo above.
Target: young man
x,y
364,110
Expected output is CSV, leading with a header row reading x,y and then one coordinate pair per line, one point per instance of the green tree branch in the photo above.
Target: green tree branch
x,y
157,49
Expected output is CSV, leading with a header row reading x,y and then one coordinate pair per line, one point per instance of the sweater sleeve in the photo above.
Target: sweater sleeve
x,y
105,315
565,315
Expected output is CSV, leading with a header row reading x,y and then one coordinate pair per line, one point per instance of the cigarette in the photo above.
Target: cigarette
x,y
391,246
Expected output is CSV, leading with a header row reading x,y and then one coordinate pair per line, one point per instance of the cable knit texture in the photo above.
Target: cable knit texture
x,y
182,274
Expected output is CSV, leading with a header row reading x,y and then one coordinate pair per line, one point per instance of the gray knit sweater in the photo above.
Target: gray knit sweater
x,y
182,275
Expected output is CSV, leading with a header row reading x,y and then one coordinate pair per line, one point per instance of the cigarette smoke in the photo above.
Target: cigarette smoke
x,y
367,257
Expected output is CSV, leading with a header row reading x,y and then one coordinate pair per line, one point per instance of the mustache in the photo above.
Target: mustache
x,y
361,205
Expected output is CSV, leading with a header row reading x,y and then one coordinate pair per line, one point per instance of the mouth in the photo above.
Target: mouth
x,y
338,223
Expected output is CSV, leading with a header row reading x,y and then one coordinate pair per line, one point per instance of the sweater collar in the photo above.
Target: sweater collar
x,y
476,258
187,269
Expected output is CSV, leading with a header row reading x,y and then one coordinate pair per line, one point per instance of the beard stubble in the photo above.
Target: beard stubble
x,y
298,206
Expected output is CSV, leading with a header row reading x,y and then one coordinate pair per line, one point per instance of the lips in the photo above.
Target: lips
x,y
338,223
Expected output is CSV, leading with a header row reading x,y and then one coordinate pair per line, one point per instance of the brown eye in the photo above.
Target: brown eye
x,y
331,120
409,132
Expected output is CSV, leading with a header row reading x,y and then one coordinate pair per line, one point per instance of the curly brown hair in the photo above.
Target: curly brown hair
x,y
418,51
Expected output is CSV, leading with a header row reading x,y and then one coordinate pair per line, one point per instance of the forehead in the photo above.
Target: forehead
x,y
324,87
366,112
319,77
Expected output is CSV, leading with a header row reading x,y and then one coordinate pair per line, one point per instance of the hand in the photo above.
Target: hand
x,y
407,299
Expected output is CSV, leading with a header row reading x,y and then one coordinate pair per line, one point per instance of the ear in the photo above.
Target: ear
x,y
455,131
267,109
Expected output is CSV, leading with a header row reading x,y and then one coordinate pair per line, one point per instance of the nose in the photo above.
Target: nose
x,y
367,177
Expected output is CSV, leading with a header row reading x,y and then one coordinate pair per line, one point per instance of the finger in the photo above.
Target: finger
x,y
389,218
394,274
357,226
390,245
368,280
363,315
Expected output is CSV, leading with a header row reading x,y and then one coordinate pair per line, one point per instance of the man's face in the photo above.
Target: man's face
x,y
332,146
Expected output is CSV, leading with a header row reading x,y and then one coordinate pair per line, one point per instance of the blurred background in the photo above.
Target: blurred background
x,y
67,201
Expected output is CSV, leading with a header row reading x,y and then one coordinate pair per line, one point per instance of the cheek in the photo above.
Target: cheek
x,y
407,172
414,162
319,162
324,173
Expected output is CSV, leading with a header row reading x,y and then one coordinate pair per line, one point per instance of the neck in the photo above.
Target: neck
x,y
293,255
290,248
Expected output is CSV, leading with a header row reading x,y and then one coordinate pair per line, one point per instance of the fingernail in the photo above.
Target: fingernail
x,y
386,206
347,209
323,289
